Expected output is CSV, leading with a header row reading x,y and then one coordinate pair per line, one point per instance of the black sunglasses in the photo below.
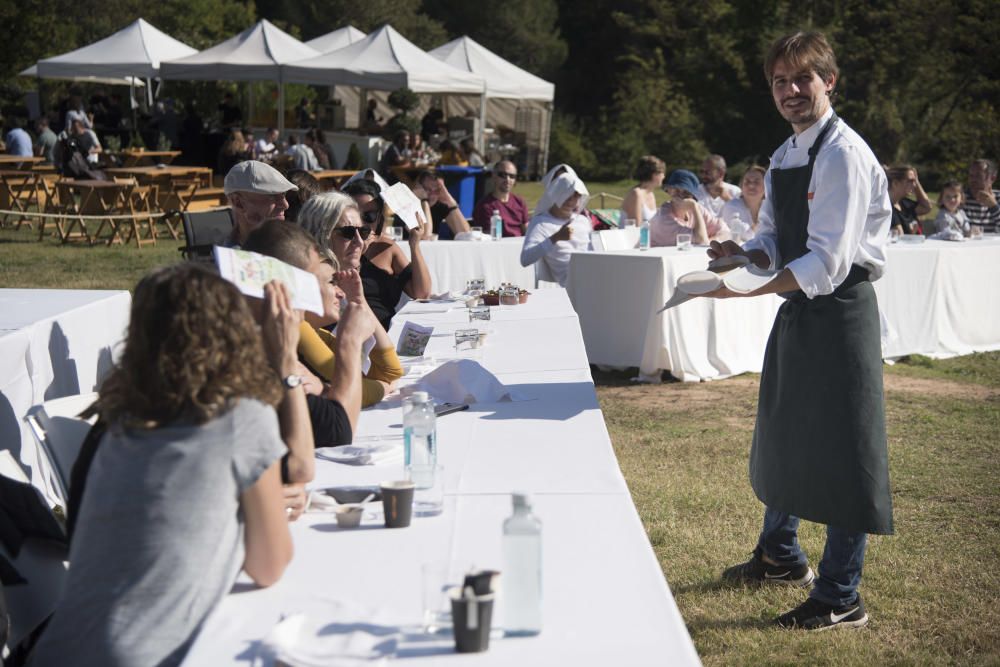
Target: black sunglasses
x,y
370,217
348,233
503,174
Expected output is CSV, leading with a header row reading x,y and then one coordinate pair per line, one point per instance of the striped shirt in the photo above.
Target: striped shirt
x,y
981,215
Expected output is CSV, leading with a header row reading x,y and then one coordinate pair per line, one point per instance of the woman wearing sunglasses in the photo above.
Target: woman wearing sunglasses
x,y
385,270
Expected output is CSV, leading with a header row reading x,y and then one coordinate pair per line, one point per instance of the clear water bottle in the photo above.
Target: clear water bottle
x,y
496,226
737,228
419,430
644,235
522,570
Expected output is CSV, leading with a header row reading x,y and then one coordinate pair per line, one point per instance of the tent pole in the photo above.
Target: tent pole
x,y
480,145
281,108
548,136
251,105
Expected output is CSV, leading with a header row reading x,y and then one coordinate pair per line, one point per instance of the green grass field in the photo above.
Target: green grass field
x,y
931,589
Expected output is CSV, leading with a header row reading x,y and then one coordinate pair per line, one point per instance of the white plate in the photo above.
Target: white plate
x,y
699,282
912,238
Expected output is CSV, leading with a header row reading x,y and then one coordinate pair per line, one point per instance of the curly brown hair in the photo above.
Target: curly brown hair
x,y
191,350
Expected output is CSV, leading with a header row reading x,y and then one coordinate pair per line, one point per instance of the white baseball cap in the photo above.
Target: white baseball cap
x,y
256,176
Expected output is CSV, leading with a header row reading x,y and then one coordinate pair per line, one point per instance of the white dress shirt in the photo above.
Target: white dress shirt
x,y
715,204
539,248
849,209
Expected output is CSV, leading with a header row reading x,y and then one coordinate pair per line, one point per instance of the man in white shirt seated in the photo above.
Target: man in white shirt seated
x,y
558,229
714,192
265,147
302,154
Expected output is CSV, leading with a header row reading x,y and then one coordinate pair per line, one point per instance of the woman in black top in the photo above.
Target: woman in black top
x,y
906,212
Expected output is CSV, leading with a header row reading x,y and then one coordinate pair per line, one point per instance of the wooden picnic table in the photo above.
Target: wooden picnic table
x,y
145,174
19,161
135,158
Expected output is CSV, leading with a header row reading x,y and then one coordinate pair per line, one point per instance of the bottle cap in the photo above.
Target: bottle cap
x,y
521,500
420,397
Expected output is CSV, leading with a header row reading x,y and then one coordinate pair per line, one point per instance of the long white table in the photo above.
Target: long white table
x,y
53,343
937,298
605,598
453,263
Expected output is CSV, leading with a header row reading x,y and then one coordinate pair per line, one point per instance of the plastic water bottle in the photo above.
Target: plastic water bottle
x,y
496,226
644,235
522,570
419,431
737,227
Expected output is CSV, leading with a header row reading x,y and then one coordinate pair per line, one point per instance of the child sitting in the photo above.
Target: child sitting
x,y
950,215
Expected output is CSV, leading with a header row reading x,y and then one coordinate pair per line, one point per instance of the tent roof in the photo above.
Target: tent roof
x,y
503,79
103,80
337,39
256,54
384,60
135,50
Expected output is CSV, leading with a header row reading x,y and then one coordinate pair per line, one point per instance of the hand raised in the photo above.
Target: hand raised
x,y
350,282
280,328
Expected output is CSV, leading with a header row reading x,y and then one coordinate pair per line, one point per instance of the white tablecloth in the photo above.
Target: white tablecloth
x,y
453,263
605,598
53,343
937,298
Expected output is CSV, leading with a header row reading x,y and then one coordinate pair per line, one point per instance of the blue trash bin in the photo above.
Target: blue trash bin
x,y
461,183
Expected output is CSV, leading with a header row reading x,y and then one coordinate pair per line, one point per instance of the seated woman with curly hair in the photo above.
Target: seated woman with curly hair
x,y
184,487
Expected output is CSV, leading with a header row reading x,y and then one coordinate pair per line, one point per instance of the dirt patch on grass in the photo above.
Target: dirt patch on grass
x,y
684,396
941,388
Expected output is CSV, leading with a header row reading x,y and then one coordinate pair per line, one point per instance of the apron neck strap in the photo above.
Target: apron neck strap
x,y
814,149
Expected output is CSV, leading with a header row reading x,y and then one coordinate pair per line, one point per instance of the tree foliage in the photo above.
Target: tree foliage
x,y
919,80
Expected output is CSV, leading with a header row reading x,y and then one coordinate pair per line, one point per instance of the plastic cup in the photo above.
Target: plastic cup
x,y
472,619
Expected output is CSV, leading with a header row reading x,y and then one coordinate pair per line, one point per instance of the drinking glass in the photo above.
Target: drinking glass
x,y
466,339
477,233
437,608
976,232
479,313
396,233
683,241
628,222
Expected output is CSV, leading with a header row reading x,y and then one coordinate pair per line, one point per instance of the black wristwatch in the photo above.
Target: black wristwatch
x,y
292,381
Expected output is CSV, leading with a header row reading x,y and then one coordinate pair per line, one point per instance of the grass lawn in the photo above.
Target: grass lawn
x,y
930,589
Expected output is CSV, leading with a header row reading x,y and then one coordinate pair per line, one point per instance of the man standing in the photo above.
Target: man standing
x,y
819,446
714,192
256,191
980,203
512,208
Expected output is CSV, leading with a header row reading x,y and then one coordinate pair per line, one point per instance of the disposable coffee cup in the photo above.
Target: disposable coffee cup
x,y
397,503
472,618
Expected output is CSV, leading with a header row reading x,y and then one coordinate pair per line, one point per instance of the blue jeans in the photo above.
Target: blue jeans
x,y
843,557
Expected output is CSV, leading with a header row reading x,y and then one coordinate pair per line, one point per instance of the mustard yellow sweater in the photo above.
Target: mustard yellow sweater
x,y
316,347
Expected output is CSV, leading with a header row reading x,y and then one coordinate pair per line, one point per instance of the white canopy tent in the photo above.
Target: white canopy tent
x,y
256,54
509,90
385,60
337,39
136,50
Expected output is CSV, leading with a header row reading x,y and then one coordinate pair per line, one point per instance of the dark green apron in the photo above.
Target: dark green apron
x,y
819,445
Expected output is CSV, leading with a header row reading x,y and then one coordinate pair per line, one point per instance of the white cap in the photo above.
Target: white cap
x,y
255,176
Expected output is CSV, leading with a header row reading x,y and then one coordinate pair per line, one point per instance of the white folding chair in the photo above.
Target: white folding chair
x,y
59,434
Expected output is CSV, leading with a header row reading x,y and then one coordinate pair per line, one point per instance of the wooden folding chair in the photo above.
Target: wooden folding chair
x,y
113,205
141,206
17,192
178,198
70,206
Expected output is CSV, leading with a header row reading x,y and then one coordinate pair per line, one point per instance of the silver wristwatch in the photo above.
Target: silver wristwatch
x,y
292,381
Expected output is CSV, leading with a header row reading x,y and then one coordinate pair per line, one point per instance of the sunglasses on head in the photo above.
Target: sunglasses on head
x,y
347,233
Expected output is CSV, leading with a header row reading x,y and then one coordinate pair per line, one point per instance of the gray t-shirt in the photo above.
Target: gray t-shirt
x,y
159,539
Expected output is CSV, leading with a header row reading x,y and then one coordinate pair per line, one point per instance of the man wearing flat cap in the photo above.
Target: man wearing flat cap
x,y
256,191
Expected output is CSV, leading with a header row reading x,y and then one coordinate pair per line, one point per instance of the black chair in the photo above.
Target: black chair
x,y
205,229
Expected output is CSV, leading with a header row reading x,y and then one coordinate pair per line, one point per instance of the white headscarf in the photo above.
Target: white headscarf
x,y
383,186
559,190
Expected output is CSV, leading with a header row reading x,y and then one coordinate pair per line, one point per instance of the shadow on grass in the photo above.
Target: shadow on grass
x,y
622,377
708,587
21,241
747,623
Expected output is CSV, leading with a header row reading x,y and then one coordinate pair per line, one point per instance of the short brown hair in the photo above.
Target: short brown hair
x,y
308,186
802,51
648,166
283,240
756,168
